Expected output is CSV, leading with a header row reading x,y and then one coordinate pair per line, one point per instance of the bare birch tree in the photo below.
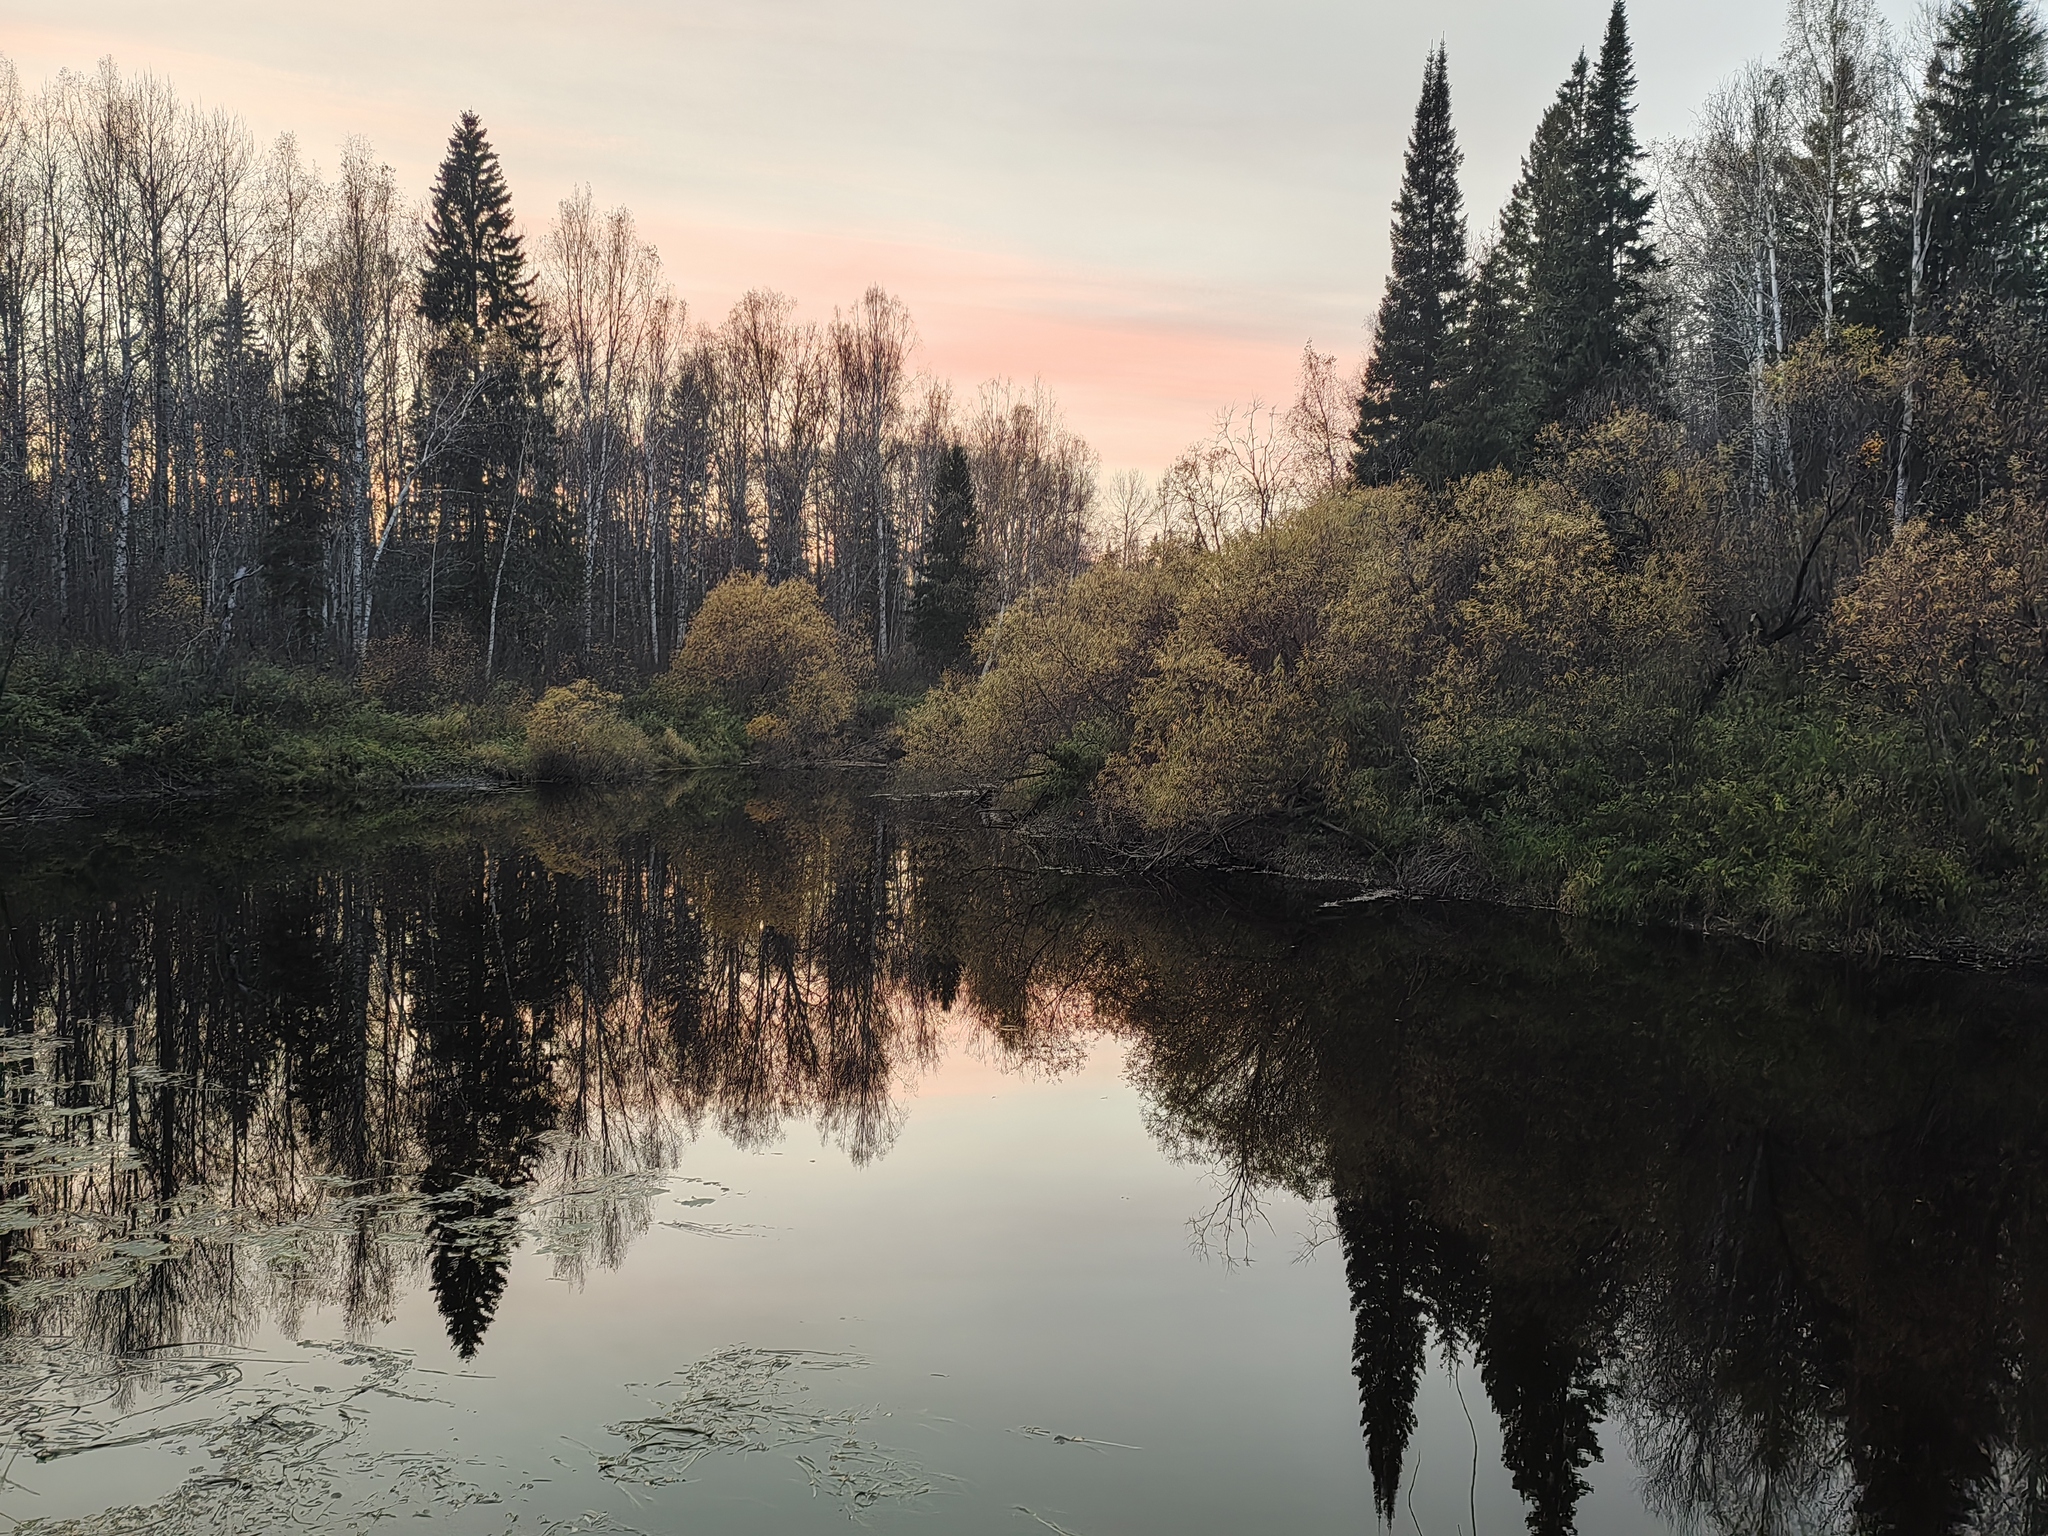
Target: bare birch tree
x,y
601,284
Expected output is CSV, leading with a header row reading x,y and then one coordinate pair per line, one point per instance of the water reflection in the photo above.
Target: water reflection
x,y
1777,1220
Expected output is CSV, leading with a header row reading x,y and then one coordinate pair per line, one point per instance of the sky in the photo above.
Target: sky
x,y
1151,205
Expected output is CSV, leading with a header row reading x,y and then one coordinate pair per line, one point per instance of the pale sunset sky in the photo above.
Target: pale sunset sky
x,y
1150,206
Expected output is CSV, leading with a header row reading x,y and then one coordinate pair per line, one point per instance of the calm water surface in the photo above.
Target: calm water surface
x,y
772,1165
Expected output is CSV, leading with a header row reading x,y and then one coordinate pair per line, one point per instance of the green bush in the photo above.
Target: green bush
x,y
86,728
1059,665
1533,688
765,657
576,735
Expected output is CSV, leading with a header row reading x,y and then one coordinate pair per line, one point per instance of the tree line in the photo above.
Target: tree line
x,y
1681,553
248,406
1828,207
1833,286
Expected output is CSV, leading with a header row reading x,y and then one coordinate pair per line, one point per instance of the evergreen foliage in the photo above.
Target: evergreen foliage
x,y
1385,1265
1565,293
475,277
302,468
1589,256
1619,348
1424,300
946,609
1985,122
1490,409
476,292
1561,324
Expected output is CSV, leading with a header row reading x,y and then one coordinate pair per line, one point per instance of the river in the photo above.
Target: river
x,y
767,1157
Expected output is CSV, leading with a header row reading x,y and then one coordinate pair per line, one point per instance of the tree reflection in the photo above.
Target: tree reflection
x,y
1778,1221
1779,1218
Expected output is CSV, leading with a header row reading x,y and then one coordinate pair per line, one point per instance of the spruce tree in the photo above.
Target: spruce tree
x,y
947,605
1520,311
1489,408
1559,321
301,466
475,277
1592,259
1558,220
1412,352
1620,347
1985,121
1386,1263
477,294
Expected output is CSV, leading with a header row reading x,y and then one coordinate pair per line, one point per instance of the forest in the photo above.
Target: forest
x,y
1676,552
1691,565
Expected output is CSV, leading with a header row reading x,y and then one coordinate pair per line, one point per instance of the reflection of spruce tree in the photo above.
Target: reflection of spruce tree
x,y
1385,1264
678,957
1544,1380
857,1072
300,976
493,955
941,978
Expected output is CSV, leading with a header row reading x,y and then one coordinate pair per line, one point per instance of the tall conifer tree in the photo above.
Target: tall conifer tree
x,y
475,276
1412,353
476,291
1490,406
1523,295
1560,320
1985,122
1621,345
301,460
1566,286
947,605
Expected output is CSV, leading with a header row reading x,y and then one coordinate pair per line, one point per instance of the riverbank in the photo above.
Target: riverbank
x,y
1789,812
1492,697
93,733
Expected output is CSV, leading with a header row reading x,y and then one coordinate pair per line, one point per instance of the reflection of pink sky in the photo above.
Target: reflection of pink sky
x,y
973,1064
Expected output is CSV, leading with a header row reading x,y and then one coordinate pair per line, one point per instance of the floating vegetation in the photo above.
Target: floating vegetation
x,y
1058,1439
121,1315
270,1449
743,1400
1057,1530
284,1441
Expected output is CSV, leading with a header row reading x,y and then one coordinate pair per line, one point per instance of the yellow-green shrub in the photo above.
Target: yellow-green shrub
x,y
769,656
1472,643
576,735
1549,644
1057,663
1231,715
1214,737
1950,621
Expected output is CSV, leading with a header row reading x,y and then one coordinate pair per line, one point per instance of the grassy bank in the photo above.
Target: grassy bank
x,y
761,679
91,732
